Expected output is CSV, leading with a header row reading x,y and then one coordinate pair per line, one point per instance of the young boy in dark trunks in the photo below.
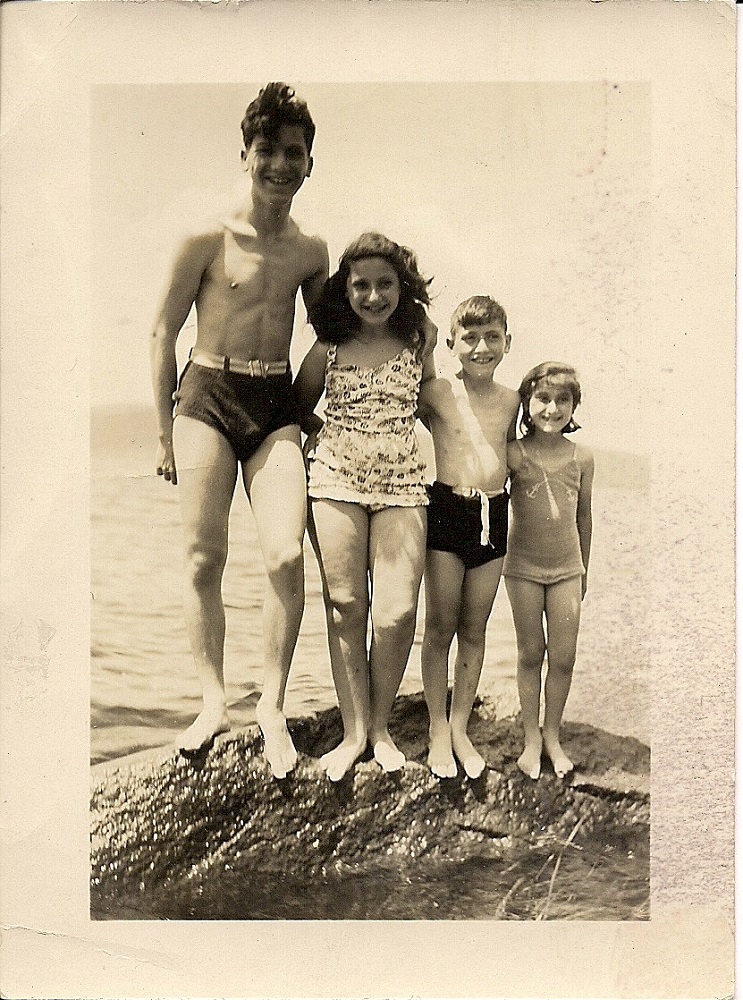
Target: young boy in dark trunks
x,y
235,406
471,418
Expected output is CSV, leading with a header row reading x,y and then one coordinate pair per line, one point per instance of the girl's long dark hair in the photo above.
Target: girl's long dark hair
x,y
332,316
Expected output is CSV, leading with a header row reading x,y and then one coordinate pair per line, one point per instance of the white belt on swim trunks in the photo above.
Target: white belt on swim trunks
x,y
470,493
257,369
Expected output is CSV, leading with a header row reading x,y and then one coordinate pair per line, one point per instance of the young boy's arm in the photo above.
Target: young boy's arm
x,y
180,293
309,385
584,516
313,284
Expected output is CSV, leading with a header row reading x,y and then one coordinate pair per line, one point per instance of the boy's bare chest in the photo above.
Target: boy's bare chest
x,y
253,270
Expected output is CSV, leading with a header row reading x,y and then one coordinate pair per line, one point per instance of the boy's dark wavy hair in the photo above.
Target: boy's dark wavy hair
x,y
332,316
276,105
551,372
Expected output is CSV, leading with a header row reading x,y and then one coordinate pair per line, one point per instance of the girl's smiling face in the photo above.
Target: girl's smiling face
x,y
551,406
373,291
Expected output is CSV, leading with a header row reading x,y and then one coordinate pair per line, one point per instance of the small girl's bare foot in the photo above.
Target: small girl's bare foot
x,y
471,760
530,760
278,748
208,724
386,753
338,762
440,756
560,761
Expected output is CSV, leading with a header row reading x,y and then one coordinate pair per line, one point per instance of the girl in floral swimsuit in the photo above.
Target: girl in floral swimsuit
x,y
367,482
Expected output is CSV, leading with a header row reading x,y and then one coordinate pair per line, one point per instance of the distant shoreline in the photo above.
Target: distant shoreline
x,y
128,431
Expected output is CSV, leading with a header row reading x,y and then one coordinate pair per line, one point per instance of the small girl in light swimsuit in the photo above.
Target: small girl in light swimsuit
x,y
367,482
549,543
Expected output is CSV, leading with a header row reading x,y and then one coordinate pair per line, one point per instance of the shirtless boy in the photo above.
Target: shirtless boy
x,y
235,406
471,418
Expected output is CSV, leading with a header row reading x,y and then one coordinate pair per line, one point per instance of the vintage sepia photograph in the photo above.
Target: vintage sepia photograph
x,y
529,219
374,602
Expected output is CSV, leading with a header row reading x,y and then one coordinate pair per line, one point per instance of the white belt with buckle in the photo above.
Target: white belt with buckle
x,y
254,368
471,494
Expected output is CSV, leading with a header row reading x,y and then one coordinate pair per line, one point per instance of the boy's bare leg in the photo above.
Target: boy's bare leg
x,y
397,539
478,593
527,603
275,482
444,576
207,472
563,619
340,535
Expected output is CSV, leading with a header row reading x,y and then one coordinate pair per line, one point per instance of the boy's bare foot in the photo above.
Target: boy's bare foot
x,y
208,723
338,762
471,760
440,756
386,753
278,748
530,760
560,761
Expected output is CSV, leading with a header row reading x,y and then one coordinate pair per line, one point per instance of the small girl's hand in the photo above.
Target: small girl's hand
x,y
308,449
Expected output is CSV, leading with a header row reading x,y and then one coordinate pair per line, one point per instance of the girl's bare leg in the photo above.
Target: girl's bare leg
x,y
527,604
478,594
340,535
444,576
397,537
277,470
563,620
207,472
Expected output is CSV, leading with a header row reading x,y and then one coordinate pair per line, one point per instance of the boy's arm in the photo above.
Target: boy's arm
x,y
313,284
309,385
584,517
180,294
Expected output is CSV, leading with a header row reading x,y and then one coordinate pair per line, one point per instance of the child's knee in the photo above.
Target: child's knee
x,y
205,563
284,559
531,656
440,630
390,619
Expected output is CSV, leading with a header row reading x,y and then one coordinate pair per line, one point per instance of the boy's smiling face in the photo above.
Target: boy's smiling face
x,y
278,166
480,348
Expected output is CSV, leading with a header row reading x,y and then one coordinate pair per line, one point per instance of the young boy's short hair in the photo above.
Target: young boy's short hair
x,y
478,310
276,105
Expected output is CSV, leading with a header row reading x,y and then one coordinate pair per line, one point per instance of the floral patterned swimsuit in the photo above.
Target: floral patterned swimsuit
x,y
367,452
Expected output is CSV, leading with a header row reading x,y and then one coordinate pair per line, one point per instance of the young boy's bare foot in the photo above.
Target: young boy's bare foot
x,y
530,760
560,761
471,760
440,756
208,723
338,762
278,748
386,753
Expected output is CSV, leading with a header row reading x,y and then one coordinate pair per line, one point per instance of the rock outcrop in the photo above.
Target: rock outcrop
x,y
161,819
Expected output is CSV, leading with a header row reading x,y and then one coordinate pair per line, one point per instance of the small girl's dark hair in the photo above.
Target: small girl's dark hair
x,y
549,371
276,105
332,316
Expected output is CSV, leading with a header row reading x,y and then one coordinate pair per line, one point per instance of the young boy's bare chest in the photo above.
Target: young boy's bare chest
x,y
250,270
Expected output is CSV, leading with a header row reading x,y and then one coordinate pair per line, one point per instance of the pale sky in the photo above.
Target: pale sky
x,y
535,193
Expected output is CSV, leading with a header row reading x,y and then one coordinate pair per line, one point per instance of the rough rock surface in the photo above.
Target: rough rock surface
x,y
162,819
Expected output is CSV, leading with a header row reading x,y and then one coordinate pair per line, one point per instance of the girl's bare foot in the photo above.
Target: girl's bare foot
x,y
278,748
530,760
471,760
338,762
560,761
211,721
386,753
440,756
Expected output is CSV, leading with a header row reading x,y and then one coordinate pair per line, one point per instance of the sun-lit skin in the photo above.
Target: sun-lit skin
x,y
480,349
551,407
278,166
373,290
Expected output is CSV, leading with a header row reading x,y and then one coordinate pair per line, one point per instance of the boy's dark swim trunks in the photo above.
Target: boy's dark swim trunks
x,y
244,409
455,525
